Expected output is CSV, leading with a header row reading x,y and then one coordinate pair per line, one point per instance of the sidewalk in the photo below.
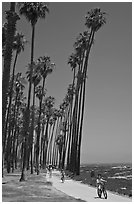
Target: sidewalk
x,y
82,191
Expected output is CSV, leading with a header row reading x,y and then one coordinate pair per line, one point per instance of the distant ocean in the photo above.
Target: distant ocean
x,y
118,176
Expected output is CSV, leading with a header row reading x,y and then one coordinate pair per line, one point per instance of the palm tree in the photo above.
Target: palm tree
x,y
75,61
46,67
11,17
49,103
33,11
55,118
80,49
54,155
95,19
61,133
17,117
36,78
21,104
69,97
52,136
19,87
18,46
60,142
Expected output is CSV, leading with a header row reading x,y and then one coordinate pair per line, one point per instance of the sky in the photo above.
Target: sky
x,y
107,129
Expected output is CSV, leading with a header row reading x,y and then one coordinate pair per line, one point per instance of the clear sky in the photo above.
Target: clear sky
x,y
107,130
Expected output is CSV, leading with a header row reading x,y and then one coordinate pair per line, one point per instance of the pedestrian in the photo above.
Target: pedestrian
x,y
50,170
62,176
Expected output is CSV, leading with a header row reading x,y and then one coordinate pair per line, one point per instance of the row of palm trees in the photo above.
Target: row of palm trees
x,y
74,101
34,132
7,42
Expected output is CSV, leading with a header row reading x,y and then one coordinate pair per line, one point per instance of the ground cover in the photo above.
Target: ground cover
x,y
35,189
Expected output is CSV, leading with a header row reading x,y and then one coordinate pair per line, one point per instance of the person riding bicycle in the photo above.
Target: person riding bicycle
x,y
101,186
101,181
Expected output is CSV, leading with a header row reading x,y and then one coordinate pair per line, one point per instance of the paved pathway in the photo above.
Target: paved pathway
x,y
83,191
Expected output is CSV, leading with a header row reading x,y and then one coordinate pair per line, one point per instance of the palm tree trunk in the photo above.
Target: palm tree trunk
x,y
49,137
70,128
83,99
27,112
51,143
9,139
32,131
46,143
42,144
16,148
74,127
70,135
12,17
38,131
80,133
41,150
54,146
13,150
10,102
16,113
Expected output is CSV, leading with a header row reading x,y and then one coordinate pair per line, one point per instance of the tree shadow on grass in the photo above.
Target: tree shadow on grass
x,y
98,197
48,183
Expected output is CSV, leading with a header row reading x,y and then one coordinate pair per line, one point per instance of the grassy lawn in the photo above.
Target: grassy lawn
x,y
35,189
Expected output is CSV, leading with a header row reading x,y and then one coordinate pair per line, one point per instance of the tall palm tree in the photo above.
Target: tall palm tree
x,y
54,156
12,18
69,98
60,142
80,49
75,61
19,87
46,67
55,117
18,46
36,78
33,11
52,136
49,103
95,19
21,104
17,116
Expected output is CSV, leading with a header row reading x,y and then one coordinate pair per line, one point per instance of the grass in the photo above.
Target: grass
x,y
35,189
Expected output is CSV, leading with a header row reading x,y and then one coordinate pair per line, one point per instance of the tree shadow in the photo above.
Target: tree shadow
x,y
98,197
49,183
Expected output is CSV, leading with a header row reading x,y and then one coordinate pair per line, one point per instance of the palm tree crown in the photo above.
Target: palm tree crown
x,y
95,19
19,42
45,66
33,11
